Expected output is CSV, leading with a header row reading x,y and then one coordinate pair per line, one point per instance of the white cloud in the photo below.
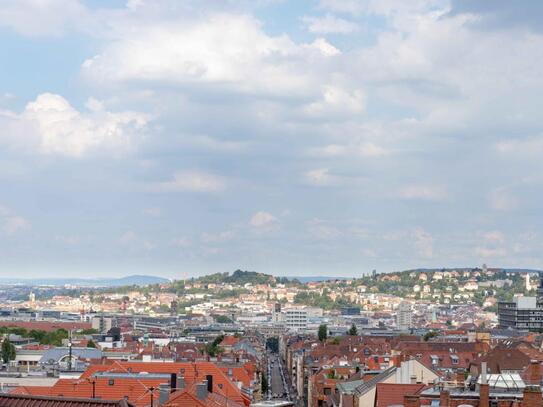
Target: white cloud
x,y
329,24
191,181
490,252
230,51
319,177
362,149
424,242
181,242
153,212
50,125
12,223
502,199
336,101
423,192
494,236
15,224
532,146
263,220
322,230
343,6
42,17
218,237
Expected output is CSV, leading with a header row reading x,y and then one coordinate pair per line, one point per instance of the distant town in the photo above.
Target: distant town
x,y
471,336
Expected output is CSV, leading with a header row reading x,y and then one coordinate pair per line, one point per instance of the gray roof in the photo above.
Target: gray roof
x,y
54,355
246,346
349,387
370,384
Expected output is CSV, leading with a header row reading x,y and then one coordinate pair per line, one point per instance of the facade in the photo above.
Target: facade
x,y
523,313
296,319
405,316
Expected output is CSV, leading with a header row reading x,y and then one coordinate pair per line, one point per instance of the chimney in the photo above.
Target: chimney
x,y
201,390
444,398
483,372
411,400
209,379
173,382
484,395
164,393
535,373
180,383
532,396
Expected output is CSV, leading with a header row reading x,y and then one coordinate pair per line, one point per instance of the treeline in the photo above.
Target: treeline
x,y
43,337
323,300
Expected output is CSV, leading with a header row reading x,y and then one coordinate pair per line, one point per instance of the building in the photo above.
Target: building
x,y
524,313
404,316
296,319
276,313
102,324
350,311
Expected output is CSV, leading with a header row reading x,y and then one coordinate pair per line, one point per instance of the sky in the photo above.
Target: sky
x,y
324,137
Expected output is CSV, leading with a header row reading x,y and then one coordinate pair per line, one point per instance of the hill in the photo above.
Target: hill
x,y
140,280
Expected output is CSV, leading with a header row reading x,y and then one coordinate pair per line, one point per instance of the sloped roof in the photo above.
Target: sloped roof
x,y
20,400
388,394
366,386
56,354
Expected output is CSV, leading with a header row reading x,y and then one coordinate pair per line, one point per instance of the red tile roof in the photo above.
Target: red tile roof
x,y
18,400
389,394
191,371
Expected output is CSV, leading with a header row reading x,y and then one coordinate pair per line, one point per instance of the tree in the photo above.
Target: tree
x,y
91,344
323,332
429,335
352,330
8,351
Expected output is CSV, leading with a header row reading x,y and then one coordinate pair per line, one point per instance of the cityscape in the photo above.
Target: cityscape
x,y
271,203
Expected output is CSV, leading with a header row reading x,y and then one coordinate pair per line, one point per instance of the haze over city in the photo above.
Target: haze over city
x,y
332,137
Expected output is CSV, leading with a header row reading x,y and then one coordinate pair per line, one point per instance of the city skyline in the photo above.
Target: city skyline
x,y
327,137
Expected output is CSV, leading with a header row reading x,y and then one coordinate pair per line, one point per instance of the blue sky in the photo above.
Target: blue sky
x,y
290,137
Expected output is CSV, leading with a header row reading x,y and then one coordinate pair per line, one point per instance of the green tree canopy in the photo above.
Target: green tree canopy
x,y
323,332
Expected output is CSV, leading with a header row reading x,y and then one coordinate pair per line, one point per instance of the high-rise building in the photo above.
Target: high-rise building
x,y
524,313
276,313
404,318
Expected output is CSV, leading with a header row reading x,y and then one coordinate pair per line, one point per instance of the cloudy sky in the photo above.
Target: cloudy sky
x,y
295,137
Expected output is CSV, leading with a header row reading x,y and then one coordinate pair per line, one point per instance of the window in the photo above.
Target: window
x,y
111,382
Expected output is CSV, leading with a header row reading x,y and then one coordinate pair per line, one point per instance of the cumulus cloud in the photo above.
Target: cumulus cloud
x,y
191,181
362,149
323,230
50,125
486,252
263,219
336,101
43,17
329,24
423,192
424,242
230,51
218,237
12,223
503,199
343,6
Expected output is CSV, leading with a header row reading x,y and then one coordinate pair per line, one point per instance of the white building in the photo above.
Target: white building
x,y
404,318
296,319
